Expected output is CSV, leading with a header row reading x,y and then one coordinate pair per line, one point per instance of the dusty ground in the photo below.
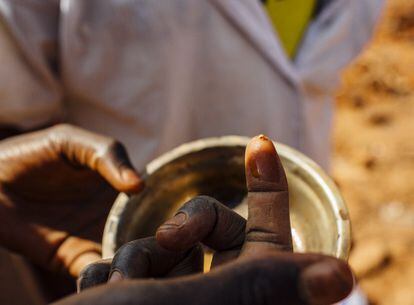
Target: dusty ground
x,y
374,158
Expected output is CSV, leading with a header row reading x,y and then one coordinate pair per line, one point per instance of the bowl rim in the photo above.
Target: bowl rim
x,y
308,166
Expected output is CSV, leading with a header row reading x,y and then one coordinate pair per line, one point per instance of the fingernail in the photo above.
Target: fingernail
x,y
325,283
79,284
177,221
131,178
263,166
115,276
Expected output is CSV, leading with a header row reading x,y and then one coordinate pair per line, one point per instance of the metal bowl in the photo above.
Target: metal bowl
x,y
215,167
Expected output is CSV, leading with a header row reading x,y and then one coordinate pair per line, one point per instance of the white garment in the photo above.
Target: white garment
x,y
155,74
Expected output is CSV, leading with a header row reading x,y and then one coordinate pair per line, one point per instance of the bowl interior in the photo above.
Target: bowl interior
x,y
317,221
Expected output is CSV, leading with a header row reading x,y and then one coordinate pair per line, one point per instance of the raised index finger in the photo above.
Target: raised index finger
x,y
268,224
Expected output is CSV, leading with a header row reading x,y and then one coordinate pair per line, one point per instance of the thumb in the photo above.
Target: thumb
x,y
268,224
267,279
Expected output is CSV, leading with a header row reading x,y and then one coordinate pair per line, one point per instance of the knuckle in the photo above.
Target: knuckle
x,y
58,134
207,200
62,127
200,204
62,130
254,235
92,269
133,249
127,249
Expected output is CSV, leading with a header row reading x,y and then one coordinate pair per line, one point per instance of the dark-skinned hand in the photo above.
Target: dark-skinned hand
x,y
253,261
56,188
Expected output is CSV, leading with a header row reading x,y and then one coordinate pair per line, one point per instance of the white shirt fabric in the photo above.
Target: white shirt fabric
x,y
156,74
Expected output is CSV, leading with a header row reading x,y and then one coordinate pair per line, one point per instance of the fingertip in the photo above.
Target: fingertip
x,y
118,170
261,142
326,282
131,181
170,237
264,171
93,274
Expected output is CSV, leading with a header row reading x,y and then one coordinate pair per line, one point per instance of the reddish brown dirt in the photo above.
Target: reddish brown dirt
x,y
374,157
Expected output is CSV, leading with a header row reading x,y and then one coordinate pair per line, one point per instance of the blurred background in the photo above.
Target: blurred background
x,y
374,157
